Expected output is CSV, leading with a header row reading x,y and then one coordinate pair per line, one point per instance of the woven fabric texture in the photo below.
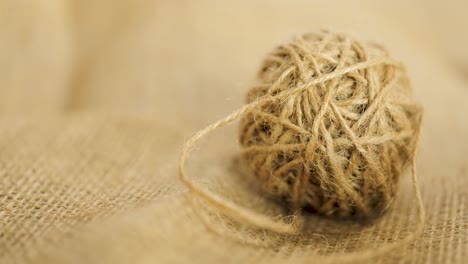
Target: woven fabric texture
x,y
97,98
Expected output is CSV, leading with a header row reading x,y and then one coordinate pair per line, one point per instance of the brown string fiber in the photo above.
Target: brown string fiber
x,y
329,128
338,147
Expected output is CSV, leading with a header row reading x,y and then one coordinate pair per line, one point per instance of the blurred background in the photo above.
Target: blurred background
x,y
193,60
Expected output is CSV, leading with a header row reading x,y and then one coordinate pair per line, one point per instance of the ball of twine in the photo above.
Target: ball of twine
x,y
330,128
336,147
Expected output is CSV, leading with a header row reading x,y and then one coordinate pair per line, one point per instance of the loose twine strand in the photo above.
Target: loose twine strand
x,y
262,221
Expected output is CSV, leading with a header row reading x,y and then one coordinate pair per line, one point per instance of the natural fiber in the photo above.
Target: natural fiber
x,y
337,147
99,184
331,127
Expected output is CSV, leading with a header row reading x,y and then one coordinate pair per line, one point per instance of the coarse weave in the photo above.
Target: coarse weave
x,y
97,98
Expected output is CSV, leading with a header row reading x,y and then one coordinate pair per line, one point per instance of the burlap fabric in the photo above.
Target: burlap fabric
x,y
96,98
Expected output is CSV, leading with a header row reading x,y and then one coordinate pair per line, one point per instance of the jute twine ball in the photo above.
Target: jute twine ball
x,y
339,144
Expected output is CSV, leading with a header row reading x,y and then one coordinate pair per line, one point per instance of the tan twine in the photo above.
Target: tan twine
x,y
330,128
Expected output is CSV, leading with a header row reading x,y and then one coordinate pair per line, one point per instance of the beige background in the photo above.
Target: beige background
x,y
96,98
